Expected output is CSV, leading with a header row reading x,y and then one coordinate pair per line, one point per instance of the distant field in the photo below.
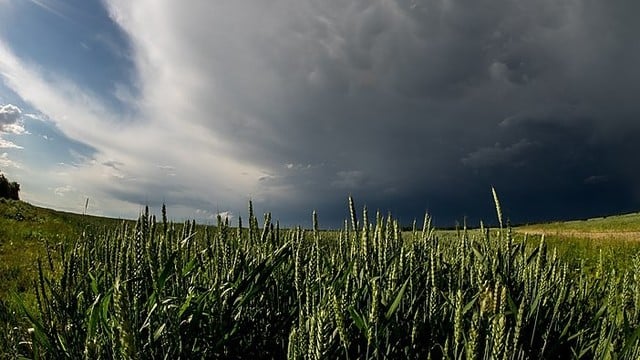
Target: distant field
x,y
619,225
611,242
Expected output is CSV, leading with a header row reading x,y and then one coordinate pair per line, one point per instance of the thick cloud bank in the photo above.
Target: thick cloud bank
x,y
408,105
417,102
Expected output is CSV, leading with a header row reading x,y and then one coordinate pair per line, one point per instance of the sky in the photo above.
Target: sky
x,y
409,106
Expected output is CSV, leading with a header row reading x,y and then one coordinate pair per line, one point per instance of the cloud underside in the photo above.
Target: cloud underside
x,y
298,103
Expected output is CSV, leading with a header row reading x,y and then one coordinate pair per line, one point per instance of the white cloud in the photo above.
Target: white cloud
x,y
9,114
39,117
10,123
17,129
10,119
209,215
167,168
63,190
226,215
291,166
5,162
6,144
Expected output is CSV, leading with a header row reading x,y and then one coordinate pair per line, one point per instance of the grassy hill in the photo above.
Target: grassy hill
x,y
26,230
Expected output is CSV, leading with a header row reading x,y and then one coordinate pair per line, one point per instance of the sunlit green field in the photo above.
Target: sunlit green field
x,y
82,287
611,241
614,224
26,231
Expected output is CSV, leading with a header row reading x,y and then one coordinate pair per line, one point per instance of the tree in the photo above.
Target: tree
x,y
14,189
9,190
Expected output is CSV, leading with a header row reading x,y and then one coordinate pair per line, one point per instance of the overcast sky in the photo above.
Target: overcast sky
x,y
410,106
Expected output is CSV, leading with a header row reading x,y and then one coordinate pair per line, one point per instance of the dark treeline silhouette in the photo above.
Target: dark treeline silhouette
x,y
9,189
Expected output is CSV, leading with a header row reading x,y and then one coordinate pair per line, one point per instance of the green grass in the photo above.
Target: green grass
x,y
25,231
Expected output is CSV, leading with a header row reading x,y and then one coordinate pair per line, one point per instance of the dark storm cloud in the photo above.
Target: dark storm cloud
x,y
422,104
450,97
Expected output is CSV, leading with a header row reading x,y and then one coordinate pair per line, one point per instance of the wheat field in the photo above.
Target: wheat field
x,y
161,290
